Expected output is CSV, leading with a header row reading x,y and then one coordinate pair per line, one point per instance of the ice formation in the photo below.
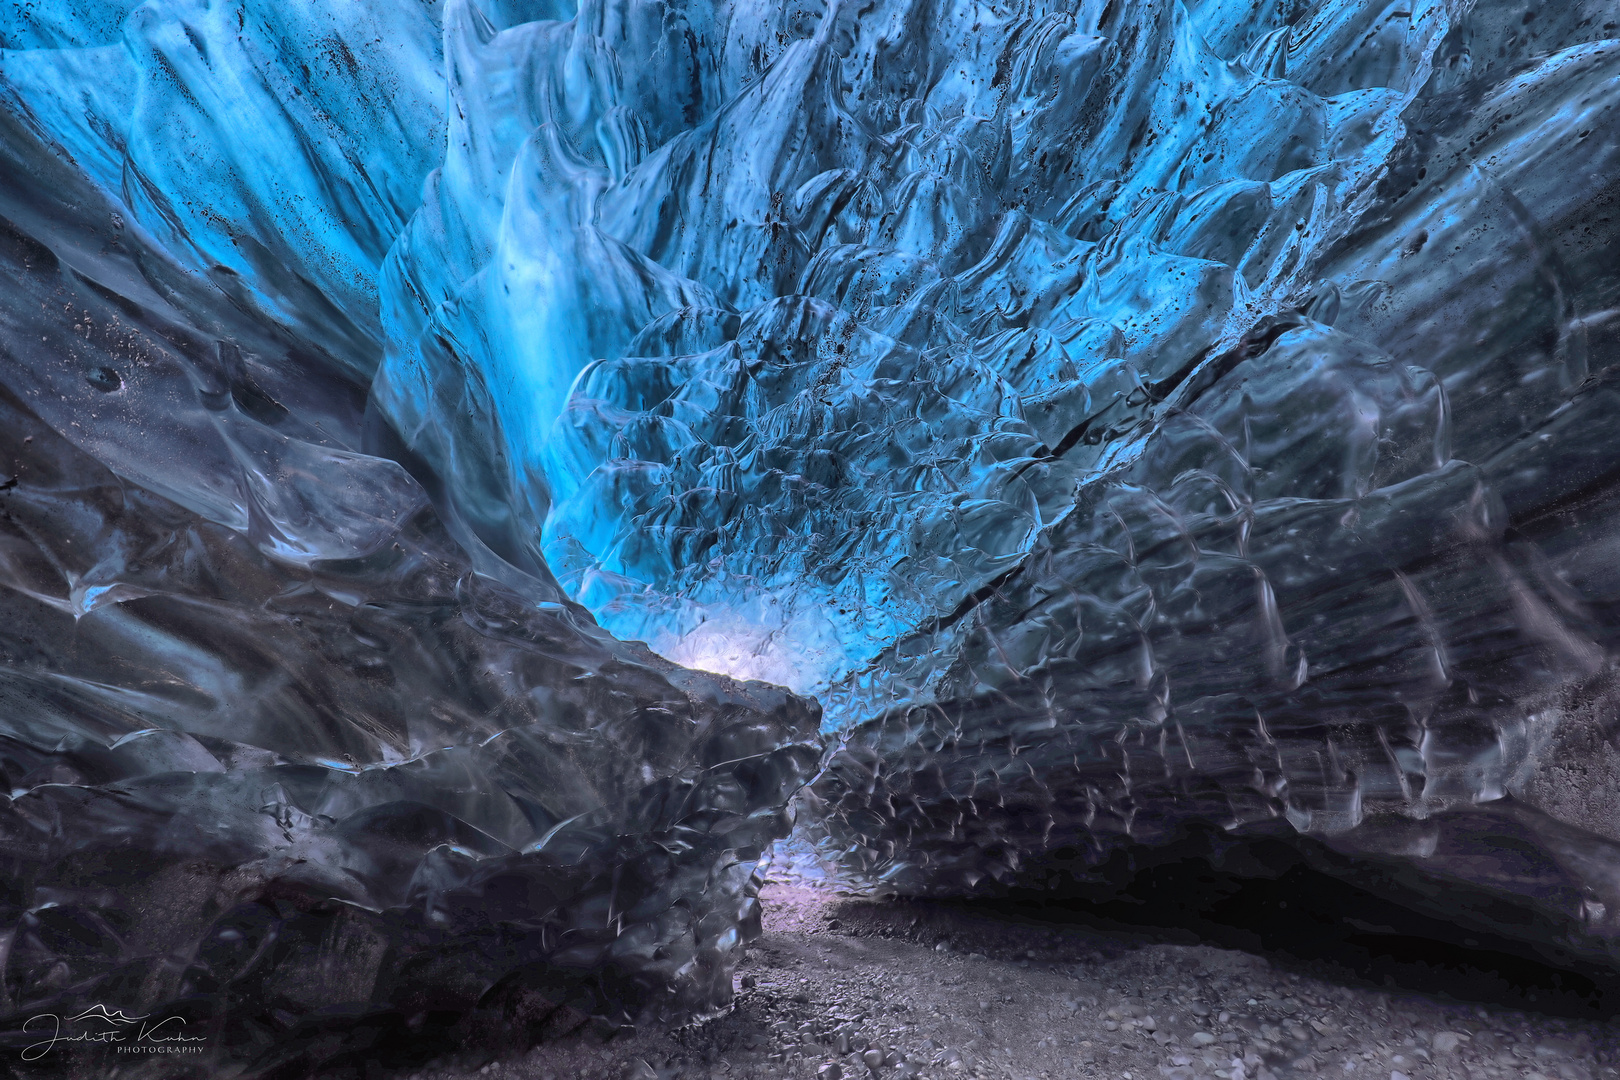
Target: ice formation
x,y
1124,416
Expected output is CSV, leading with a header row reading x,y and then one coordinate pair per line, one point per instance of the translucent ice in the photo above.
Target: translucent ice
x,y
284,746
1126,416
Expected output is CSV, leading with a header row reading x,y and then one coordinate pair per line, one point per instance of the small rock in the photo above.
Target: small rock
x,y
1446,1041
749,982
1556,1049
1396,1074
984,1006
1202,1038
640,1070
830,1071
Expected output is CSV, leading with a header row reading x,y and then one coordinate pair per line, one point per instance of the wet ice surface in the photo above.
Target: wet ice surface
x,y
1137,423
195,826
289,752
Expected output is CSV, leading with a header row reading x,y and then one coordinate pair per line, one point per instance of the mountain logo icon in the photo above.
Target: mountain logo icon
x,y
99,1012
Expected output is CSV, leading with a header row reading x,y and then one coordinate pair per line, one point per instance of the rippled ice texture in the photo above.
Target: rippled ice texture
x,y
798,328
287,747
1121,414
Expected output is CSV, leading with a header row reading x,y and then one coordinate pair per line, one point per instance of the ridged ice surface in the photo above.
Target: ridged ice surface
x,y
1348,572
1126,416
287,749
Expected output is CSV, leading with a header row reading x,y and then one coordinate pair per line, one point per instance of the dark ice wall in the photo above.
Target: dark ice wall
x,y
281,756
1356,584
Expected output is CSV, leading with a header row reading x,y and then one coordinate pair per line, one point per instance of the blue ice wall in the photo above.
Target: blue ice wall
x,y
776,334
788,331
779,323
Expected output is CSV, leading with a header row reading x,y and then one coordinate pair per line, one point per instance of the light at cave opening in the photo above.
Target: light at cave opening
x,y
786,654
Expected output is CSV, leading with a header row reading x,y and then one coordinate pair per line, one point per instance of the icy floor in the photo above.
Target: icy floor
x,y
950,991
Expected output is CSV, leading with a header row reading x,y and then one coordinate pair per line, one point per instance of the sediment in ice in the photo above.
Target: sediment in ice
x,y
282,756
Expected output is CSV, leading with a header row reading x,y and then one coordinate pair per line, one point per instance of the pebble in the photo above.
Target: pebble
x,y
1203,1038
1446,1041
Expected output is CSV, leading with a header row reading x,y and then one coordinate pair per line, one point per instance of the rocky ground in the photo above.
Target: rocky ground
x,y
844,988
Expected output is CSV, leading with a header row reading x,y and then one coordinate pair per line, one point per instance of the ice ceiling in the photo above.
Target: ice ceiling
x,y
1121,416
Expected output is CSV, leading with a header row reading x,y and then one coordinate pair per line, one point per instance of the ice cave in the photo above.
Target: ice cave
x,y
482,481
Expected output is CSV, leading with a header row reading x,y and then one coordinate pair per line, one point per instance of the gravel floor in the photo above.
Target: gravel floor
x,y
841,988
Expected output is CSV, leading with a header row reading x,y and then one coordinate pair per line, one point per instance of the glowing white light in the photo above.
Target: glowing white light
x,y
797,653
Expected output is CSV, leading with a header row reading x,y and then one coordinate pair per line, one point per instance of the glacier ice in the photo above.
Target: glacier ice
x,y
286,747
1124,417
